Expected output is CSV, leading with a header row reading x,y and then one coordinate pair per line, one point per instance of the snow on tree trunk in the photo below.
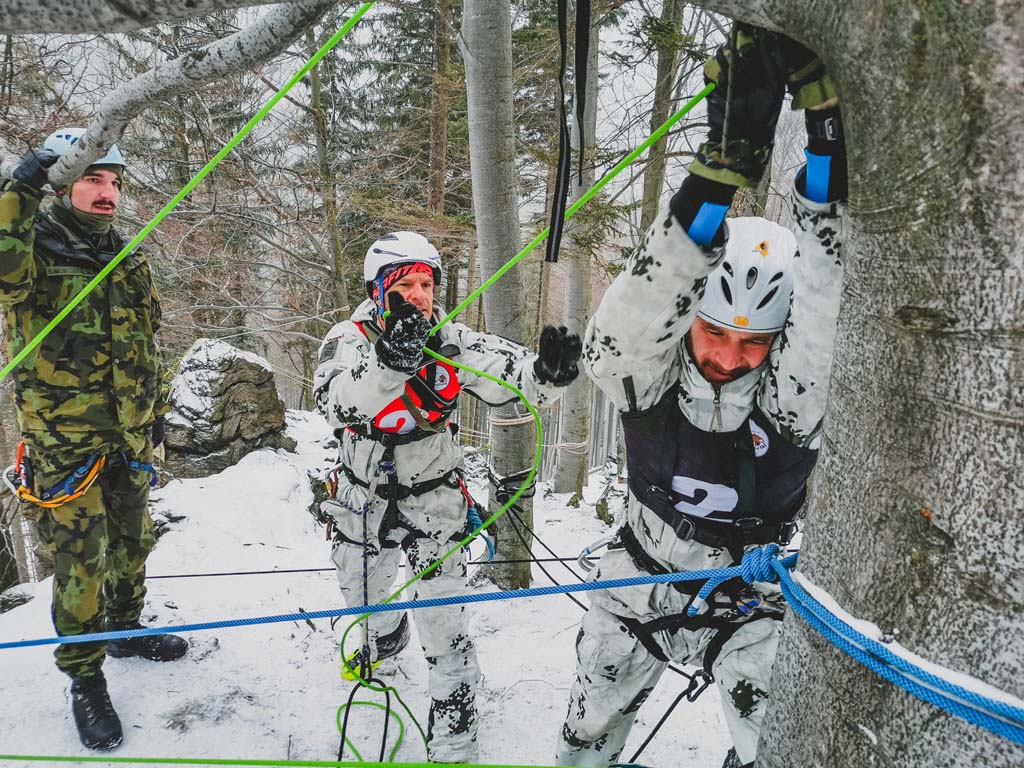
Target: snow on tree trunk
x,y
915,522
571,459
486,47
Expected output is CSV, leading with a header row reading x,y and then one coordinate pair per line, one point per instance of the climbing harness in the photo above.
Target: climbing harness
x,y
586,559
144,232
19,479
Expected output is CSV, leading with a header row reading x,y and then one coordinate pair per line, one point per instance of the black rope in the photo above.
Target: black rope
x,y
325,570
697,676
348,708
517,521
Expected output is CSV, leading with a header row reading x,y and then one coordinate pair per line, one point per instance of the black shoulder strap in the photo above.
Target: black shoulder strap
x,y
746,486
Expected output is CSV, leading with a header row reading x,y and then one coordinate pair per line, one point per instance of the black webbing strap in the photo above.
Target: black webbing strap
x,y
564,166
402,492
724,634
582,54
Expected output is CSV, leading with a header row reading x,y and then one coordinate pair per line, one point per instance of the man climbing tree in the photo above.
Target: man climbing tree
x,y
716,345
399,487
90,409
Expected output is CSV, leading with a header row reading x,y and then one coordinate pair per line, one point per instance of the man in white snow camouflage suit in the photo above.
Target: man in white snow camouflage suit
x,y
390,402
718,359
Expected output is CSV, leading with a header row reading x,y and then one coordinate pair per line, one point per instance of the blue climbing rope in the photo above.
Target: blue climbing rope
x,y
999,717
764,564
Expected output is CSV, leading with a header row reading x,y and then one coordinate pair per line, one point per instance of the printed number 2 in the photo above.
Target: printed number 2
x,y
702,499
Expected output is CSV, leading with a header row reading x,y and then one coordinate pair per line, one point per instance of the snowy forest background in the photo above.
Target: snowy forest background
x,y
267,252
915,507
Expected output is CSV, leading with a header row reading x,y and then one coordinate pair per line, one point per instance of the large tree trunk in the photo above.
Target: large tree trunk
x,y
487,52
571,460
915,523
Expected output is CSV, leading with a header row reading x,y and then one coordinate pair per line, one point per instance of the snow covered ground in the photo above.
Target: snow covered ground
x,y
272,691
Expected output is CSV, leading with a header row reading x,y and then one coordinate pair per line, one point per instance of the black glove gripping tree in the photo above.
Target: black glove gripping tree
x,y
557,356
406,331
30,175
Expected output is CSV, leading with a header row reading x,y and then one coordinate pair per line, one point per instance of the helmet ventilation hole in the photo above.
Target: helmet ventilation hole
x,y
726,291
768,298
751,277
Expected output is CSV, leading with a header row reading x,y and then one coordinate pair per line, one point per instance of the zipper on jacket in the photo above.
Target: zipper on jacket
x,y
716,417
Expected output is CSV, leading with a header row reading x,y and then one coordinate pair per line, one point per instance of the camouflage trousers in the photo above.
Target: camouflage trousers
x,y
99,544
615,674
454,672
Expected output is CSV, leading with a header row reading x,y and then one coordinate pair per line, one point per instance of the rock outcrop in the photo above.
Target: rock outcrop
x,y
224,404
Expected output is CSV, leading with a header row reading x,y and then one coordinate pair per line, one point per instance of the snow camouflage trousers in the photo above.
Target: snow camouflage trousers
x,y
99,544
615,674
444,634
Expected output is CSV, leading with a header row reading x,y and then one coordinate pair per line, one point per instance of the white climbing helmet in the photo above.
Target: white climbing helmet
x,y
752,288
63,139
399,248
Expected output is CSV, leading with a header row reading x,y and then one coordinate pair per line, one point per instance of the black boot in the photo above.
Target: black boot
x,y
394,642
152,647
732,760
97,722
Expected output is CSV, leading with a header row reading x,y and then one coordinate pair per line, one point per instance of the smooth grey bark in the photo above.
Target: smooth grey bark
x,y
27,17
571,461
486,46
915,522
244,49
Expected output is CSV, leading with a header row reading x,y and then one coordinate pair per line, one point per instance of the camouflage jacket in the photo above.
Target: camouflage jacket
x,y
93,385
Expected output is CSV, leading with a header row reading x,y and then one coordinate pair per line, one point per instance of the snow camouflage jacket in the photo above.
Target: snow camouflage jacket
x,y
93,385
352,387
637,333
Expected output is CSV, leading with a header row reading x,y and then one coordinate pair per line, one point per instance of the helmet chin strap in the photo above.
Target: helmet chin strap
x,y
379,301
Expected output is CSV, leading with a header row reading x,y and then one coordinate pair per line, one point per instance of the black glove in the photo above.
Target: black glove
x,y
750,79
406,330
557,355
31,172
159,431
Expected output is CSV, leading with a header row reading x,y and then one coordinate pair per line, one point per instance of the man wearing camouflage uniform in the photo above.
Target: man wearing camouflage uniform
x,y
717,355
390,406
87,396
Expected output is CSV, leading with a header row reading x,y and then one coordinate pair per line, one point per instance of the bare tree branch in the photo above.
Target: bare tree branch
x,y
22,17
243,50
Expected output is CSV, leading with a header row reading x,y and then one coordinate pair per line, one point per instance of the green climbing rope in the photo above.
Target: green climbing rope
x,y
588,195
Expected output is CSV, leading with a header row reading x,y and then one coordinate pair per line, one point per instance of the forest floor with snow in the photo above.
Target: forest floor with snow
x,y
271,692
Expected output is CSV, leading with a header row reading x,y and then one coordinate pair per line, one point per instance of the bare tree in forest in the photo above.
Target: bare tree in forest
x,y
583,236
486,45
